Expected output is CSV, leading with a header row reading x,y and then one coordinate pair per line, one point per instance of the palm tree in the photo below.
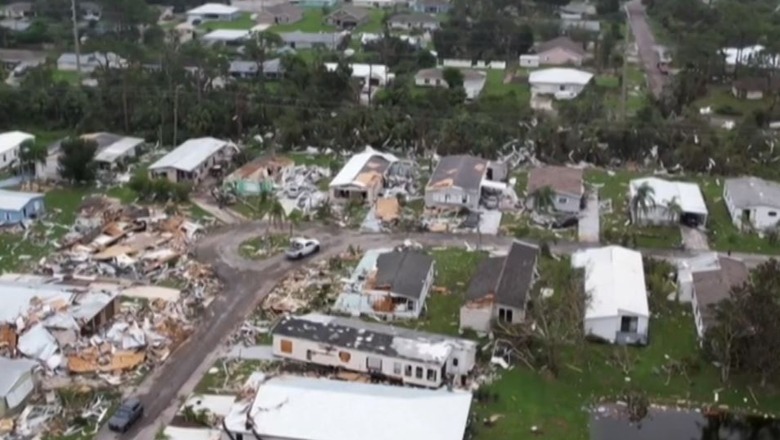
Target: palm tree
x,y
294,219
30,154
544,199
276,214
643,200
674,210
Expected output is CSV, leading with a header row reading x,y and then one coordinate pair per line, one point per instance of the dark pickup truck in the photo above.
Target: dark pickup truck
x,y
128,413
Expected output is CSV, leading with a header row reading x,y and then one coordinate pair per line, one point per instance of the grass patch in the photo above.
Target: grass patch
x,y
244,22
313,21
70,77
265,246
229,375
591,372
495,86
722,102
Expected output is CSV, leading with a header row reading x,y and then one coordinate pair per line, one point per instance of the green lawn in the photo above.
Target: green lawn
x,y
313,21
67,76
229,375
245,22
723,102
265,246
494,86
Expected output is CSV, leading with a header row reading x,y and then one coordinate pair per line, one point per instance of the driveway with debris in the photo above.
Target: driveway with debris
x,y
247,282
694,239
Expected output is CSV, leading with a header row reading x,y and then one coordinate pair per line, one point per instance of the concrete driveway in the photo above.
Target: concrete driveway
x,y
694,239
589,226
645,42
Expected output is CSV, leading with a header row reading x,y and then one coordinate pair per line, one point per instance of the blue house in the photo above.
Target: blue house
x,y
16,206
431,6
318,3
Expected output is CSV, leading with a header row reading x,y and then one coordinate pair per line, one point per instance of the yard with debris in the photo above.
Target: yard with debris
x,y
265,246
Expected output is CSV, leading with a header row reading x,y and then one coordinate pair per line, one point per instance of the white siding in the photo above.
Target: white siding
x,y
607,328
476,318
762,217
655,215
566,203
452,197
552,88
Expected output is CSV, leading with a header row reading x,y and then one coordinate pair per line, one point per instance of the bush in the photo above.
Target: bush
x,y
728,110
159,190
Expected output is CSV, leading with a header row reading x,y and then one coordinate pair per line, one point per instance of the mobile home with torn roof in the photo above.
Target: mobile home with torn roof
x,y
363,177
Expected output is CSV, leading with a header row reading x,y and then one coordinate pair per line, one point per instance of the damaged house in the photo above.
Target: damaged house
x,y
362,178
113,150
259,175
461,181
192,160
388,284
409,356
500,289
616,309
304,408
566,184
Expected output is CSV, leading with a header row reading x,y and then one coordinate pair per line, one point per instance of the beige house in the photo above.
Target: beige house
x,y
560,51
348,17
283,13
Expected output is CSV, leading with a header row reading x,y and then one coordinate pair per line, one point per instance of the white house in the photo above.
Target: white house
x,y
686,267
617,309
10,147
565,182
213,12
112,149
190,161
16,383
413,357
752,202
362,177
473,80
388,284
305,408
666,193
560,82
230,37
713,286
378,74
459,182
69,62
122,150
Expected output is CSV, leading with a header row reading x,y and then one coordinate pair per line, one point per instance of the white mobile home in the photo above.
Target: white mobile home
x,y
10,147
362,177
415,358
617,310
561,83
191,161
213,12
752,202
691,208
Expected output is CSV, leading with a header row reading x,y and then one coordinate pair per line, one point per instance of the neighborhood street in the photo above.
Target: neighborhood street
x,y
645,42
247,282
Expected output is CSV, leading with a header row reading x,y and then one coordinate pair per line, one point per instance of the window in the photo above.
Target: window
x,y
561,87
629,324
561,199
427,81
408,371
286,346
772,214
309,355
431,375
397,368
418,372
454,362
344,356
374,364
505,315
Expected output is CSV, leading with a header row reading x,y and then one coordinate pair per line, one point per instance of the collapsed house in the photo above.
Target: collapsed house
x,y
338,410
616,297
193,160
462,181
17,382
112,151
500,289
409,356
258,176
362,178
390,284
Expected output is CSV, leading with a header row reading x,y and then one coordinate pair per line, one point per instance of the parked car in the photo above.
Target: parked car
x,y
128,413
302,247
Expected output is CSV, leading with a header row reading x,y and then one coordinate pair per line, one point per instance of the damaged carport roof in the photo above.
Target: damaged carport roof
x,y
369,161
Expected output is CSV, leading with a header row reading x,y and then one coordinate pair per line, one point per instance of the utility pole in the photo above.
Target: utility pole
x,y
176,115
76,43
624,83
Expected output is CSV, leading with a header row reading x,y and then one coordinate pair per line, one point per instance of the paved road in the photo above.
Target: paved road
x,y
247,282
645,42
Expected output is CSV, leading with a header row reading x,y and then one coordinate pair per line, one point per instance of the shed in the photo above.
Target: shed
x,y
617,310
17,206
191,160
341,410
16,383
690,207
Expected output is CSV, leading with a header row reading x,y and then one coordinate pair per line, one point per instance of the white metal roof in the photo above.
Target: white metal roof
x,y
213,8
12,370
12,139
339,410
227,35
615,280
16,200
560,75
360,70
190,154
356,163
688,195
179,433
118,149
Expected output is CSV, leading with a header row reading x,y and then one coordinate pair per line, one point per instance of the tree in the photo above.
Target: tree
x,y
76,162
276,214
543,199
453,77
674,210
642,201
31,154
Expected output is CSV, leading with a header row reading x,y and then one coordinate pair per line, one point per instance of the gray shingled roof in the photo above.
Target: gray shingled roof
x,y
414,17
750,192
562,42
508,278
714,286
403,272
460,171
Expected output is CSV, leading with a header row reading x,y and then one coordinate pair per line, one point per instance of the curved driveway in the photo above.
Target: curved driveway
x,y
246,283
